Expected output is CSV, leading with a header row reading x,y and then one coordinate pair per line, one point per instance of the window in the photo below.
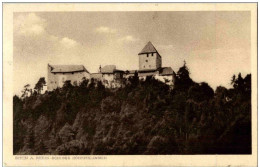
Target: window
x,y
152,54
146,60
144,66
147,55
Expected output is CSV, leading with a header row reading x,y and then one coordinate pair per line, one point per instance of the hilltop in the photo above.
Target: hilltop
x,y
144,117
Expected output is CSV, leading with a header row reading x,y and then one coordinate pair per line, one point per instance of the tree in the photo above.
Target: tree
x,y
183,80
40,148
247,83
26,90
100,86
207,90
241,84
39,85
84,83
200,92
183,72
134,81
67,85
233,80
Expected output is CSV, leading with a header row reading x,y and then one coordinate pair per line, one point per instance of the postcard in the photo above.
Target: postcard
x,y
130,84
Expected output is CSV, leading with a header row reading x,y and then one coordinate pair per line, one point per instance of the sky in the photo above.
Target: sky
x,y
215,45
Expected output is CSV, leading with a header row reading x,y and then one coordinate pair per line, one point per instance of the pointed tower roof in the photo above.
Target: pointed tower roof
x,y
149,48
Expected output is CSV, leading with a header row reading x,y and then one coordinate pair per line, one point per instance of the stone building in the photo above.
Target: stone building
x,y
58,74
150,64
110,76
149,58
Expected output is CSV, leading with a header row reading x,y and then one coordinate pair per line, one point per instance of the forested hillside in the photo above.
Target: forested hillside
x,y
144,117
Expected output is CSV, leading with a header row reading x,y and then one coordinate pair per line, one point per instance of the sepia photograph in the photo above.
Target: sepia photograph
x,y
144,82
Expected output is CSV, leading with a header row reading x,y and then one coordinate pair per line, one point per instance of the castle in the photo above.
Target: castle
x,y
150,64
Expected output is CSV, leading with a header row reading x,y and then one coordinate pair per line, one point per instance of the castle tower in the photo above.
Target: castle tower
x,y
149,58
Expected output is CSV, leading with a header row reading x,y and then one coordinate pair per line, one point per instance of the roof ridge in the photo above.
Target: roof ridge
x,y
149,48
68,68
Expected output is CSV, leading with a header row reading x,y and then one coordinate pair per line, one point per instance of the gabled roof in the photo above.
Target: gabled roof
x,y
166,71
149,48
108,69
161,70
131,71
119,71
67,68
147,70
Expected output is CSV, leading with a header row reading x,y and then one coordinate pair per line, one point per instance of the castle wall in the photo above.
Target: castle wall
x,y
96,76
107,80
168,79
56,80
128,75
148,74
108,77
51,80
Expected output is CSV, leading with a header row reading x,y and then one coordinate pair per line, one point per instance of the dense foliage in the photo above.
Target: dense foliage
x,y
143,117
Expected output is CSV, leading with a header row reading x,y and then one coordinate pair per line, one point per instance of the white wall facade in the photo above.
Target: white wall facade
x,y
168,79
56,80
